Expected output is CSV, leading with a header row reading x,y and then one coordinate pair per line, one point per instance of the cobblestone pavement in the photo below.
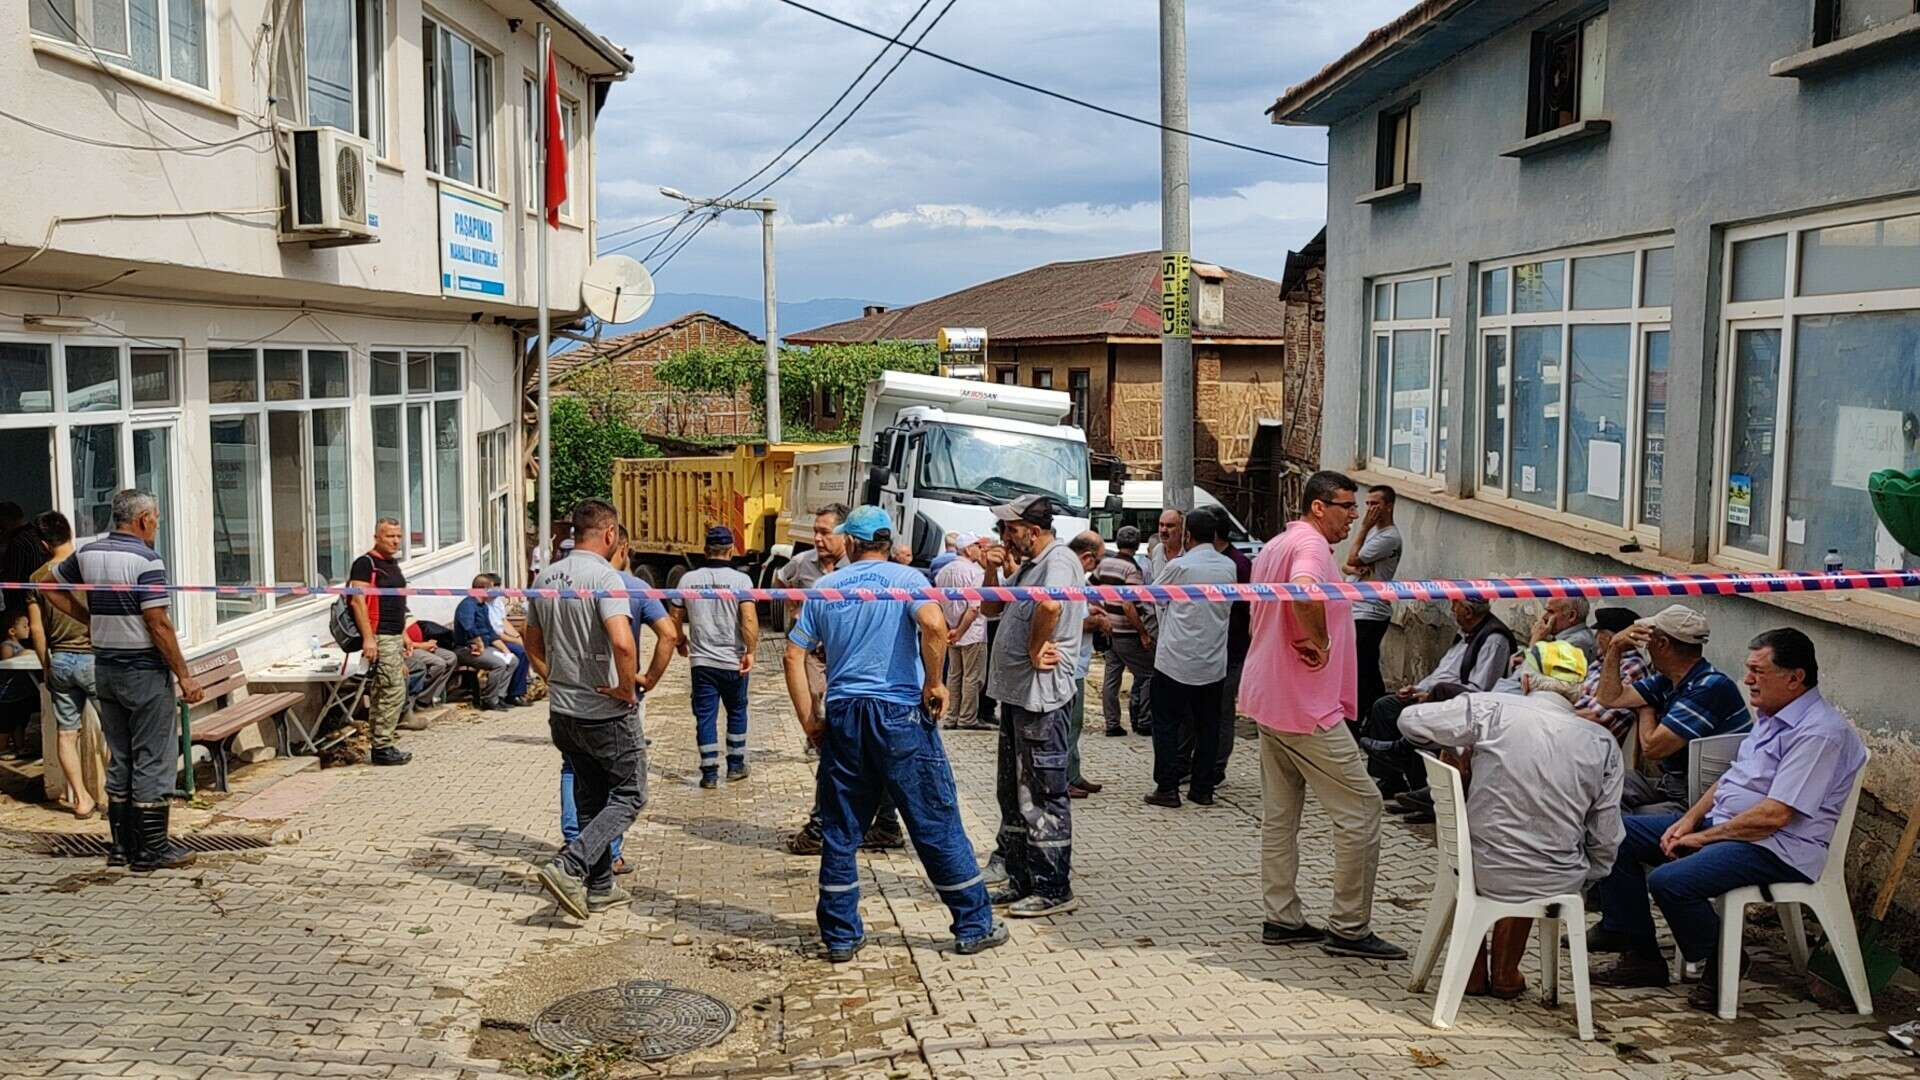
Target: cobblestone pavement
x,y
392,932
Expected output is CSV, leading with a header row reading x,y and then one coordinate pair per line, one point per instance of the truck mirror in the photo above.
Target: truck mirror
x,y
1114,504
878,477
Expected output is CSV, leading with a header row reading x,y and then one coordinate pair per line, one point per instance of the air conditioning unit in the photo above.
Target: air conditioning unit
x,y
330,185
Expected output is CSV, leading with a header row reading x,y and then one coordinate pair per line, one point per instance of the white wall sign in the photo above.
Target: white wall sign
x,y
1864,442
473,240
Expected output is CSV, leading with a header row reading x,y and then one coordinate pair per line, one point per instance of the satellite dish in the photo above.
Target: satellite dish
x,y
617,289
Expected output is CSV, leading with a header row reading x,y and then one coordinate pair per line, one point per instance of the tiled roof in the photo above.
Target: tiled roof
x,y
588,352
1118,296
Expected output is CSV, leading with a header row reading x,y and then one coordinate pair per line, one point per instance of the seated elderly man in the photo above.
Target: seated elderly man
x,y
1479,657
1606,623
1543,804
1564,619
1769,818
1686,698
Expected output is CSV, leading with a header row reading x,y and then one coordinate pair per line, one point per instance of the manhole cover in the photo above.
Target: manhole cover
x,y
655,1019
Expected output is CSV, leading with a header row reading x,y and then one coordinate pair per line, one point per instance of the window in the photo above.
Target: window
x,y
164,39
1393,157
1007,376
829,404
1822,369
458,82
497,469
1573,377
417,444
331,67
1569,74
1836,19
1043,378
1406,320
1080,389
569,136
282,470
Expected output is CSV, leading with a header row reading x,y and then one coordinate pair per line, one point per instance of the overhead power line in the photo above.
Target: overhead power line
x,y
1055,94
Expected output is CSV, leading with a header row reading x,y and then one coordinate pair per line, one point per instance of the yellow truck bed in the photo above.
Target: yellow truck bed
x,y
668,504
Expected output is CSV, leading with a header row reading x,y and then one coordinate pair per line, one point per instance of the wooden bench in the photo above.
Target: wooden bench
x,y
220,676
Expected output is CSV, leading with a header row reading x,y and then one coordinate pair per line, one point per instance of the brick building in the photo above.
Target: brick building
x,y
1092,329
662,411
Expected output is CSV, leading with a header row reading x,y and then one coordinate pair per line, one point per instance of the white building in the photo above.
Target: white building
x,y
162,326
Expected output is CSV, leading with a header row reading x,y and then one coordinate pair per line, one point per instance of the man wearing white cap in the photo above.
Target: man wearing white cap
x,y
966,634
1686,698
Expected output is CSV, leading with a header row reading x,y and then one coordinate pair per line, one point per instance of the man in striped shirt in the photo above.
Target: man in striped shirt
x,y
136,654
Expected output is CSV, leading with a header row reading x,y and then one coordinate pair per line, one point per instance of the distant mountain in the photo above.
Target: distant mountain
x,y
745,312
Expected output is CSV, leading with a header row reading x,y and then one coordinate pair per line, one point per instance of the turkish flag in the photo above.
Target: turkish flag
x,y
556,147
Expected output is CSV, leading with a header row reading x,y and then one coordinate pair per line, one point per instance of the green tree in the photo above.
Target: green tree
x,y
584,449
841,370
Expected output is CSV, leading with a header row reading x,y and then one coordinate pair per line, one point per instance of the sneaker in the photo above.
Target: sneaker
x,y
995,938
1633,970
840,954
1005,895
614,897
709,779
1273,933
804,842
389,755
739,772
1370,947
567,891
1601,939
994,874
1038,907
1168,799
884,840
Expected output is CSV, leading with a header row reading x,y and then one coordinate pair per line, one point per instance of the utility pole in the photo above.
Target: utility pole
x,y
765,208
1176,259
544,554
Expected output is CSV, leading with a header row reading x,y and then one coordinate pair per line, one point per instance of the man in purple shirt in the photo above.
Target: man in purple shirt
x,y
1768,819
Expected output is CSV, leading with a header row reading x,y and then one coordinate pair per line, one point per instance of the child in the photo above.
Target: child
x,y
19,697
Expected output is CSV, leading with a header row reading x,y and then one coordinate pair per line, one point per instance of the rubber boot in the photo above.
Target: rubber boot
x,y
119,830
153,848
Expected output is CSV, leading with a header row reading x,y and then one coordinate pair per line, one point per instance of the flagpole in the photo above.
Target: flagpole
x,y
546,329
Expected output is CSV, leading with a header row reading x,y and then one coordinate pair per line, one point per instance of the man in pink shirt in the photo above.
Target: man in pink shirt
x,y
1299,687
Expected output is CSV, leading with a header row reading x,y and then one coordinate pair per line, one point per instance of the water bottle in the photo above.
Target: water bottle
x,y
313,646
1833,564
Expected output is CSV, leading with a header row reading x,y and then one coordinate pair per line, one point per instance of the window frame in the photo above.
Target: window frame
x,y
1041,377
406,400
495,464
1006,374
1437,325
571,118
83,49
1783,315
486,110
261,408
1637,317
1826,21
1393,164
368,83
1080,396
1585,106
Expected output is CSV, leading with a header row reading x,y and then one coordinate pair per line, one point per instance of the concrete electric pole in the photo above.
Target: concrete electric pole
x,y
765,208
1176,245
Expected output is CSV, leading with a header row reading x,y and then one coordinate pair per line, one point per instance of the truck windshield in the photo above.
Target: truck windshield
x,y
1003,465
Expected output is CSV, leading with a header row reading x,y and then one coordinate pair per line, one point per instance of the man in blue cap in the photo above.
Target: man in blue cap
x,y
884,700
718,636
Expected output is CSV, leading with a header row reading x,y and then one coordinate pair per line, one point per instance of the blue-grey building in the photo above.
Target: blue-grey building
x,y
1634,287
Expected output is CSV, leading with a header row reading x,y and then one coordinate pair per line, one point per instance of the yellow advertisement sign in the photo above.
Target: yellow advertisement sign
x,y
1176,294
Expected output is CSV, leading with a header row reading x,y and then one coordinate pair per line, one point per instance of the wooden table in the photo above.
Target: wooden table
x,y
343,681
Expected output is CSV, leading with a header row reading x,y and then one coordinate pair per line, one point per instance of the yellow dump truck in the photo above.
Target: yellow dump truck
x,y
669,503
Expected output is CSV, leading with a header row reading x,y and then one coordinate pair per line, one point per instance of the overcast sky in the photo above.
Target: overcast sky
x,y
945,179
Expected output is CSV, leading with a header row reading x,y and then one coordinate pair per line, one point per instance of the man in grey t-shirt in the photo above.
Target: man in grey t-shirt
x,y
1032,675
585,645
1190,669
719,637
1374,556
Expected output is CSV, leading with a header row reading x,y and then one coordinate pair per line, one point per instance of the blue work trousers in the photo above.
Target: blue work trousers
x,y
874,747
1035,841
1685,888
713,687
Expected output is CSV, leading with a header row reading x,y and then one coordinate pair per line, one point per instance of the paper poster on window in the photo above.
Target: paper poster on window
x,y
1739,499
1796,530
1603,469
1493,463
1417,458
1864,442
1420,420
1528,482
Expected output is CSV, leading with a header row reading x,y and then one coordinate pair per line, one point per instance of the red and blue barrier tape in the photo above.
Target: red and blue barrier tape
x,y
1518,588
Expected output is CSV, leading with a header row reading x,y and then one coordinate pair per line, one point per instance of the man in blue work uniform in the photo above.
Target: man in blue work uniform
x,y
881,734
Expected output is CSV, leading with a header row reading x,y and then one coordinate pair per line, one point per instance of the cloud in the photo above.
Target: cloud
x,y
945,178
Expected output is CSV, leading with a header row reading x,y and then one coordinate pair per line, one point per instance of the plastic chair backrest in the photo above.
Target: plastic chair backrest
x,y
1843,828
1707,758
1451,834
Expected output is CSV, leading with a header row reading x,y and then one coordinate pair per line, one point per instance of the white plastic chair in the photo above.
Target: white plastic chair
x,y
1708,758
1828,899
1460,915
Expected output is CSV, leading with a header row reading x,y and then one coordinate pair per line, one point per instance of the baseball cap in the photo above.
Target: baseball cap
x,y
1032,509
866,522
1557,660
1679,622
965,540
719,536
1614,619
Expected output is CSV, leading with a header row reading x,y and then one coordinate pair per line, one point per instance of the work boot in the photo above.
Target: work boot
x,y
840,954
389,755
119,831
1039,907
709,778
994,874
994,938
886,837
804,842
738,772
152,848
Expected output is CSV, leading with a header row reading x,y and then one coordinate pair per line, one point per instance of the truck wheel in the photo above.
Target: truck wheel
x,y
675,576
645,573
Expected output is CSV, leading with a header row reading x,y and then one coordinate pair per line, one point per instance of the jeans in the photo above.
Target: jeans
x,y
1685,888
1076,722
1186,734
873,747
1035,841
1127,655
1367,636
570,811
70,682
712,687
609,764
141,724
517,688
